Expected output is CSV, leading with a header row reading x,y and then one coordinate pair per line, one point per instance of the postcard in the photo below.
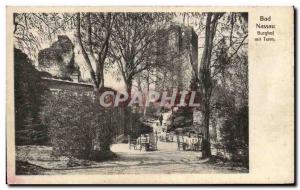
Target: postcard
x,y
150,95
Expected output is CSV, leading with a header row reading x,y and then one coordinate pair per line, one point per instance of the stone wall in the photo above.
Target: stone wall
x,y
78,88
58,59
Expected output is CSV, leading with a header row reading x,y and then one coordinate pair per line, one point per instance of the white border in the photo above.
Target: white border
x,y
4,3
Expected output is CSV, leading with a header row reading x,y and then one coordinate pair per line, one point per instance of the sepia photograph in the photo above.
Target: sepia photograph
x,y
150,95
131,93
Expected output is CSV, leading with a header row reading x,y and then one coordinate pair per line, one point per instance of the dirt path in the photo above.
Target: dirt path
x,y
166,160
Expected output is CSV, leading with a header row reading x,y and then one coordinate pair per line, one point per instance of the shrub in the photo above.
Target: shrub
x,y
29,95
77,126
235,136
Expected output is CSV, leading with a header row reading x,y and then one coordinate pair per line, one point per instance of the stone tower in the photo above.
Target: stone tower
x,y
178,50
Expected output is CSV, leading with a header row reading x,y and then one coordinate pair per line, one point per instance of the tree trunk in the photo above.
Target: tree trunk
x,y
148,89
84,53
206,151
127,110
206,82
98,76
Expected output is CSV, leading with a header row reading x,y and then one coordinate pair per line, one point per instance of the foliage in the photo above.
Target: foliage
x,y
235,134
29,94
229,99
77,124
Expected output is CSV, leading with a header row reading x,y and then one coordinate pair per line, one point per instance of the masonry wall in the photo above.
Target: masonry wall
x,y
55,86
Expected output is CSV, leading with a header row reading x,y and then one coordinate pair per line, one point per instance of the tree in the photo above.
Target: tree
x,y
134,41
33,29
229,69
93,31
225,35
205,76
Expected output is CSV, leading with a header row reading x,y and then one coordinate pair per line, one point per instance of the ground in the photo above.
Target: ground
x,y
165,160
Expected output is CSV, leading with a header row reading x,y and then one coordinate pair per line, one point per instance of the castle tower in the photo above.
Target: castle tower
x,y
178,51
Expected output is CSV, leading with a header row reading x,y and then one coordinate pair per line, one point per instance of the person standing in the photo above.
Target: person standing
x,y
160,119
